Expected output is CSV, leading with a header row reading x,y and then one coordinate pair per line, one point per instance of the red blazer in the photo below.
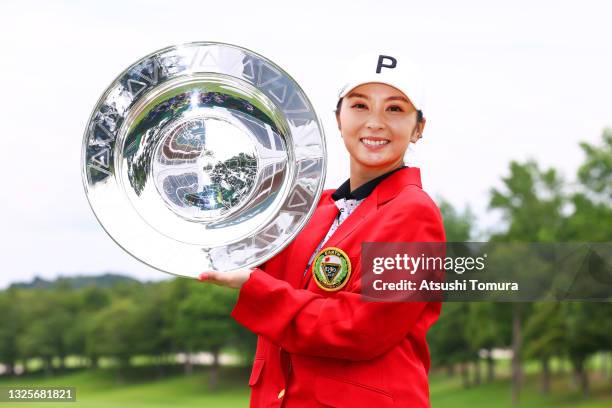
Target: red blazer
x,y
317,348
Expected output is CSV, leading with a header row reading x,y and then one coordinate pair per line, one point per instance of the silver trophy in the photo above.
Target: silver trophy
x,y
203,156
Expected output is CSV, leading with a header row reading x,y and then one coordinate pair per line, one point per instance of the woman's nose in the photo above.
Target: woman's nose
x,y
375,121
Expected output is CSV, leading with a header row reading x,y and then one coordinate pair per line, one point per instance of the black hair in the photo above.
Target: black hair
x,y
419,112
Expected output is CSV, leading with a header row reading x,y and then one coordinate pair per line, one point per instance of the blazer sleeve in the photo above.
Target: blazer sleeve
x,y
343,326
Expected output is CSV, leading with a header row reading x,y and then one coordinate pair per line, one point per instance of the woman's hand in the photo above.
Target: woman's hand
x,y
231,279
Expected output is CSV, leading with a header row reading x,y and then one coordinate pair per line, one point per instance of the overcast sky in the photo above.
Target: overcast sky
x,y
517,80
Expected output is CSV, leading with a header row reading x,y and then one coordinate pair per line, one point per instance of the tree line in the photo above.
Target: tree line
x,y
120,322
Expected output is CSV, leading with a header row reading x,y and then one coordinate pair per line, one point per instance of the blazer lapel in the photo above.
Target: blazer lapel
x,y
323,217
366,209
390,187
387,190
306,242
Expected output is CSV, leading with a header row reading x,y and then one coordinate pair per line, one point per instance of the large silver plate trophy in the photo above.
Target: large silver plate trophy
x,y
203,156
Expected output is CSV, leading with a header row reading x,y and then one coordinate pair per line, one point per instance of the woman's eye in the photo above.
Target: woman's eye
x,y
359,106
395,108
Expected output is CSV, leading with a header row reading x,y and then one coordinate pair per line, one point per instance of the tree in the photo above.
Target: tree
x,y
122,330
448,338
47,318
531,203
545,336
10,328
93,299
588,326
203,322
595,173
458,226
484,331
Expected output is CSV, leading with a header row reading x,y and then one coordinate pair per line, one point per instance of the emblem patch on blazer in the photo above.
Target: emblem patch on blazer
x,y
331,269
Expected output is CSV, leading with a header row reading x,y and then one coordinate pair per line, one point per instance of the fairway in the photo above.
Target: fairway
x,y
448,393
100,389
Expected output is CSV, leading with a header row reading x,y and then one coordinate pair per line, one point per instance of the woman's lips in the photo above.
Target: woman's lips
x,y
374,143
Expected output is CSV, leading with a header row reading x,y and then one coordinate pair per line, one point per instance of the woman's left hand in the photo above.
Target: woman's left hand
x,y
231,279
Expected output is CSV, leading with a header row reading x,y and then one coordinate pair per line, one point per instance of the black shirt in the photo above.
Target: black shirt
x,y
364,190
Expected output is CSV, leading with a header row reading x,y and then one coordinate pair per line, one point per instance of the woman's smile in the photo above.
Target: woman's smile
x,y
374,143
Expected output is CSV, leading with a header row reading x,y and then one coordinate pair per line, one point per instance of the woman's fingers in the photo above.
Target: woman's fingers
x,y
204,276
210,276
232,279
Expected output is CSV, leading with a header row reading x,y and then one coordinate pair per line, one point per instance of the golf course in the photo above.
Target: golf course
x,y
143,387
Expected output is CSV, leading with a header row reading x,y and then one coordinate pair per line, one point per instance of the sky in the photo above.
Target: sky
x,y
504,81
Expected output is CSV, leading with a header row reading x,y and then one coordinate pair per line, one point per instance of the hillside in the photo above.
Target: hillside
x,y
76,282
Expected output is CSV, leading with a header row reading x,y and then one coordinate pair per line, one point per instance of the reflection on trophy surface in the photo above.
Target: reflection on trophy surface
x,y
203,156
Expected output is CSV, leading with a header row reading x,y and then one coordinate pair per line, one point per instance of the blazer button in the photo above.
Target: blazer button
x,y
281,394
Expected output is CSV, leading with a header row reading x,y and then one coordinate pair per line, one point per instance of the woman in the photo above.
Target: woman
x,y
319,344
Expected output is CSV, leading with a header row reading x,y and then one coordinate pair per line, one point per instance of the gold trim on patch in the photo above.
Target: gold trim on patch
x,y
328,284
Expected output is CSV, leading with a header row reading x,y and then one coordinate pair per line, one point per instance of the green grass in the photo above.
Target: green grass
x,y
142,387
100,388
448,392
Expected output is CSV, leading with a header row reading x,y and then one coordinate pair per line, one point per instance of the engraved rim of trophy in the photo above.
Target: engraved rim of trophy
x,y
204,155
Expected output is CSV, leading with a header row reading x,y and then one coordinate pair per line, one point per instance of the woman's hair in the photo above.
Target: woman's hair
x,y
419,112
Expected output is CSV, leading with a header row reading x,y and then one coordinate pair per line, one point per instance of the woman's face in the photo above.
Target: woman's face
x,y
377,123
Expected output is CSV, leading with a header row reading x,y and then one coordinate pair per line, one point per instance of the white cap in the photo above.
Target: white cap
x,y
387,68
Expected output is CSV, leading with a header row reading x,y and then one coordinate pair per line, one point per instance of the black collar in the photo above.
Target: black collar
x,y
364,190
